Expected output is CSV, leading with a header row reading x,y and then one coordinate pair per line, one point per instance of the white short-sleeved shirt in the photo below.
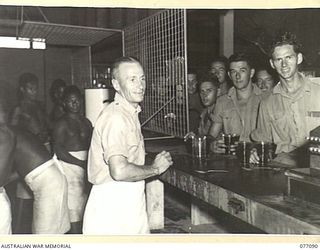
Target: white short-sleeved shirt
x,y
117,132
116,207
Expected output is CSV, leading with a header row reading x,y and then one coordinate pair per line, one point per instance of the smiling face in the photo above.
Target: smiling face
x,y
285,61
240,74
219,70
72,103
208,93
130,82
265,81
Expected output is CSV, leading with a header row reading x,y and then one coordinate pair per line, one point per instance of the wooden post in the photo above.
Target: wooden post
x,y
199,214
155,203
227,33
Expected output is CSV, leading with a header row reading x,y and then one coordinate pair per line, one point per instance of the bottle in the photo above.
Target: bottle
x,y
94,83
109,84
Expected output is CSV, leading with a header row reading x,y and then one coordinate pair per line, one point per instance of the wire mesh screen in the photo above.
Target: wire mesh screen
x,y
159,42
60,34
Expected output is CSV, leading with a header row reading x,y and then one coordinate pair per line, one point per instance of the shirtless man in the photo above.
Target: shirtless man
x,y
28,115
56,94
34,165
71,140
6,151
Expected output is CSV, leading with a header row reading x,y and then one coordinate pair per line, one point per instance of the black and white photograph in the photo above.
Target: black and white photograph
x,y
137,121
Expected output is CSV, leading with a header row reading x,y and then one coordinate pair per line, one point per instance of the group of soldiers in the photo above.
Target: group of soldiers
x,y
275,104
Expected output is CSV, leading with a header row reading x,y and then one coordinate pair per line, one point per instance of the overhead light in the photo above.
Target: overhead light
x,y
13,42
22,43
38,43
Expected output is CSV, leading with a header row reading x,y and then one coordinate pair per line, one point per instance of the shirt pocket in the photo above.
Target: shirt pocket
x,y
280,124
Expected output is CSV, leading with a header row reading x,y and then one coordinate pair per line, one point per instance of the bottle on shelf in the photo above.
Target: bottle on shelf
x,y
108,78
101,76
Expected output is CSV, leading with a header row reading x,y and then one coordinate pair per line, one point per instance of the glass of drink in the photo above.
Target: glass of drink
x,y
227,142
243,152
265,152
230,140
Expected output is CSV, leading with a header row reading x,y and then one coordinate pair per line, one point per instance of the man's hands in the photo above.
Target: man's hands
x,y
218,147
254,157
162,162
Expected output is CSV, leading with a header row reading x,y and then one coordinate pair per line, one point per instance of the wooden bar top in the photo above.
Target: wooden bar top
x,y
253,194
244,179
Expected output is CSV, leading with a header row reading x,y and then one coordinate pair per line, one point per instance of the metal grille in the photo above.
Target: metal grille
x,y
159,42
60,34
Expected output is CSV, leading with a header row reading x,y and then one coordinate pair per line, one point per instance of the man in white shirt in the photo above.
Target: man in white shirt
x,y
116,162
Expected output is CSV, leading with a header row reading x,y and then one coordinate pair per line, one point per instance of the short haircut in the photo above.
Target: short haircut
x,y
269,70
55,85
221,59
119,61
27,78
209,78
240,57
192,73
71,89
285,38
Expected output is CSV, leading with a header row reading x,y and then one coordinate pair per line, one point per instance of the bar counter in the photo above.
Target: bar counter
x,y
253,194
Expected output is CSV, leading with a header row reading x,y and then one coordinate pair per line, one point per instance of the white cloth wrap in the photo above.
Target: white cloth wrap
x,y
122,211
5,212
50,205
77,196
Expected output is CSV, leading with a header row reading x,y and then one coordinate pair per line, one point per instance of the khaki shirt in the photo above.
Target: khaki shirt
x,y
206,120
286,121
117,132
227,113
223,89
